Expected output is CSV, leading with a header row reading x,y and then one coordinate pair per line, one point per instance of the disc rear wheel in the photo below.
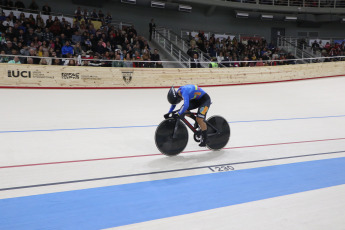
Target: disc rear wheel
x,y
218,132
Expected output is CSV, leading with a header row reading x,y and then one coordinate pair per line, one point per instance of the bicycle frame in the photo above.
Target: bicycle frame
x,y
191,127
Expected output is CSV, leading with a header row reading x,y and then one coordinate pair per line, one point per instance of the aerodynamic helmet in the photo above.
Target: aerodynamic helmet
x,y
173,97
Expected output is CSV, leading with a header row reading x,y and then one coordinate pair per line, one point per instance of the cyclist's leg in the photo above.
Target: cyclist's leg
x,y
205,103
193,104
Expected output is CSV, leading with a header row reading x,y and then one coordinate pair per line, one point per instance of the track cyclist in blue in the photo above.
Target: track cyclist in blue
x,y
193,97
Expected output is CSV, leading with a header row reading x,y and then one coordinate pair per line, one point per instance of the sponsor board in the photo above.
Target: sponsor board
x,y
127,76
27,74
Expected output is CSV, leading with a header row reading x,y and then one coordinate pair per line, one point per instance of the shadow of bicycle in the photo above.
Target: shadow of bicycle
x,y
187,159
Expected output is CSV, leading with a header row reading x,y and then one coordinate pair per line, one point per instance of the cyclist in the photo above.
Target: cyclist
x,y
193,97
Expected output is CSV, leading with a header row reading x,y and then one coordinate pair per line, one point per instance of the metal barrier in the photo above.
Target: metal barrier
x,y
184,45
162,38
117,23
301,51
298,3
183,61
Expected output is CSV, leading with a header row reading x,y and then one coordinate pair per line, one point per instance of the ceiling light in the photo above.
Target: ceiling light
x,y
266,17
185,8
129,1
242,15
290,18
156,4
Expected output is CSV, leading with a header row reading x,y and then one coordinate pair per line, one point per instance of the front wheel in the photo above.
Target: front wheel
x,y
171,137
218,132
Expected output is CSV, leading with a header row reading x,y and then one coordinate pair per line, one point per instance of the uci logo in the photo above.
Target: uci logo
x,y
25,74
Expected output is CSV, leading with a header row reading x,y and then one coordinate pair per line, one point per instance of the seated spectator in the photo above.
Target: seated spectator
x,y
100,48
38,20
94,15
19,5
245,63
159,65
195,63
56,61
67,49
100,15
227,60
108,18
47,35
76,38
78,13
8,23
72,62
260,62
86,16
46,9
235,63
146,63
15,60
220,57
3,58
290,57
29,61
40,51
63,38
192,50
155,56
128,60
7,5
33,54
47,58
55,28
7,47
49,21
33,6
118,62
77,49
43,62
95,61
36,42
213,63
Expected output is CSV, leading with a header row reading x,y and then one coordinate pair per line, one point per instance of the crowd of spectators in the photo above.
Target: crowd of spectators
x,y
252,51
56,41
299,3
233,53
329,49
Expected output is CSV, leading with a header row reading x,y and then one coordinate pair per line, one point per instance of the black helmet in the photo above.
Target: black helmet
x,y
173,97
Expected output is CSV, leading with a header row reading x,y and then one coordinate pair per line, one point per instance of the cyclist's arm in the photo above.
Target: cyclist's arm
x,y
172,108
185,106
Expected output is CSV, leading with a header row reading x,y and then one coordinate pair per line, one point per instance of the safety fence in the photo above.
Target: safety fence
x,y
298,3
50,76
186,61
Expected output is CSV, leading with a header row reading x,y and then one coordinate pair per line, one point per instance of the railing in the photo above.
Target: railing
x,y
184,45
298,3
79,61
17,11
299,49
162,38
185,34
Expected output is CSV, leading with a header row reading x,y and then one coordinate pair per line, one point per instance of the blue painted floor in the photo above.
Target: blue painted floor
x,y
119,205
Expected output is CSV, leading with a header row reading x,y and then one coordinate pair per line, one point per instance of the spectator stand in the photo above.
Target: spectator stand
x,y
27,12
298,3
160,37
185,34
183,44
110,42
309,47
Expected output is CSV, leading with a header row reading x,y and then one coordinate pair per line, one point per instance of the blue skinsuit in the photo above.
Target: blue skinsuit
x,y
188,92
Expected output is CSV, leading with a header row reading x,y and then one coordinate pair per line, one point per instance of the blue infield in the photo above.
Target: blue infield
x,y
119,205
